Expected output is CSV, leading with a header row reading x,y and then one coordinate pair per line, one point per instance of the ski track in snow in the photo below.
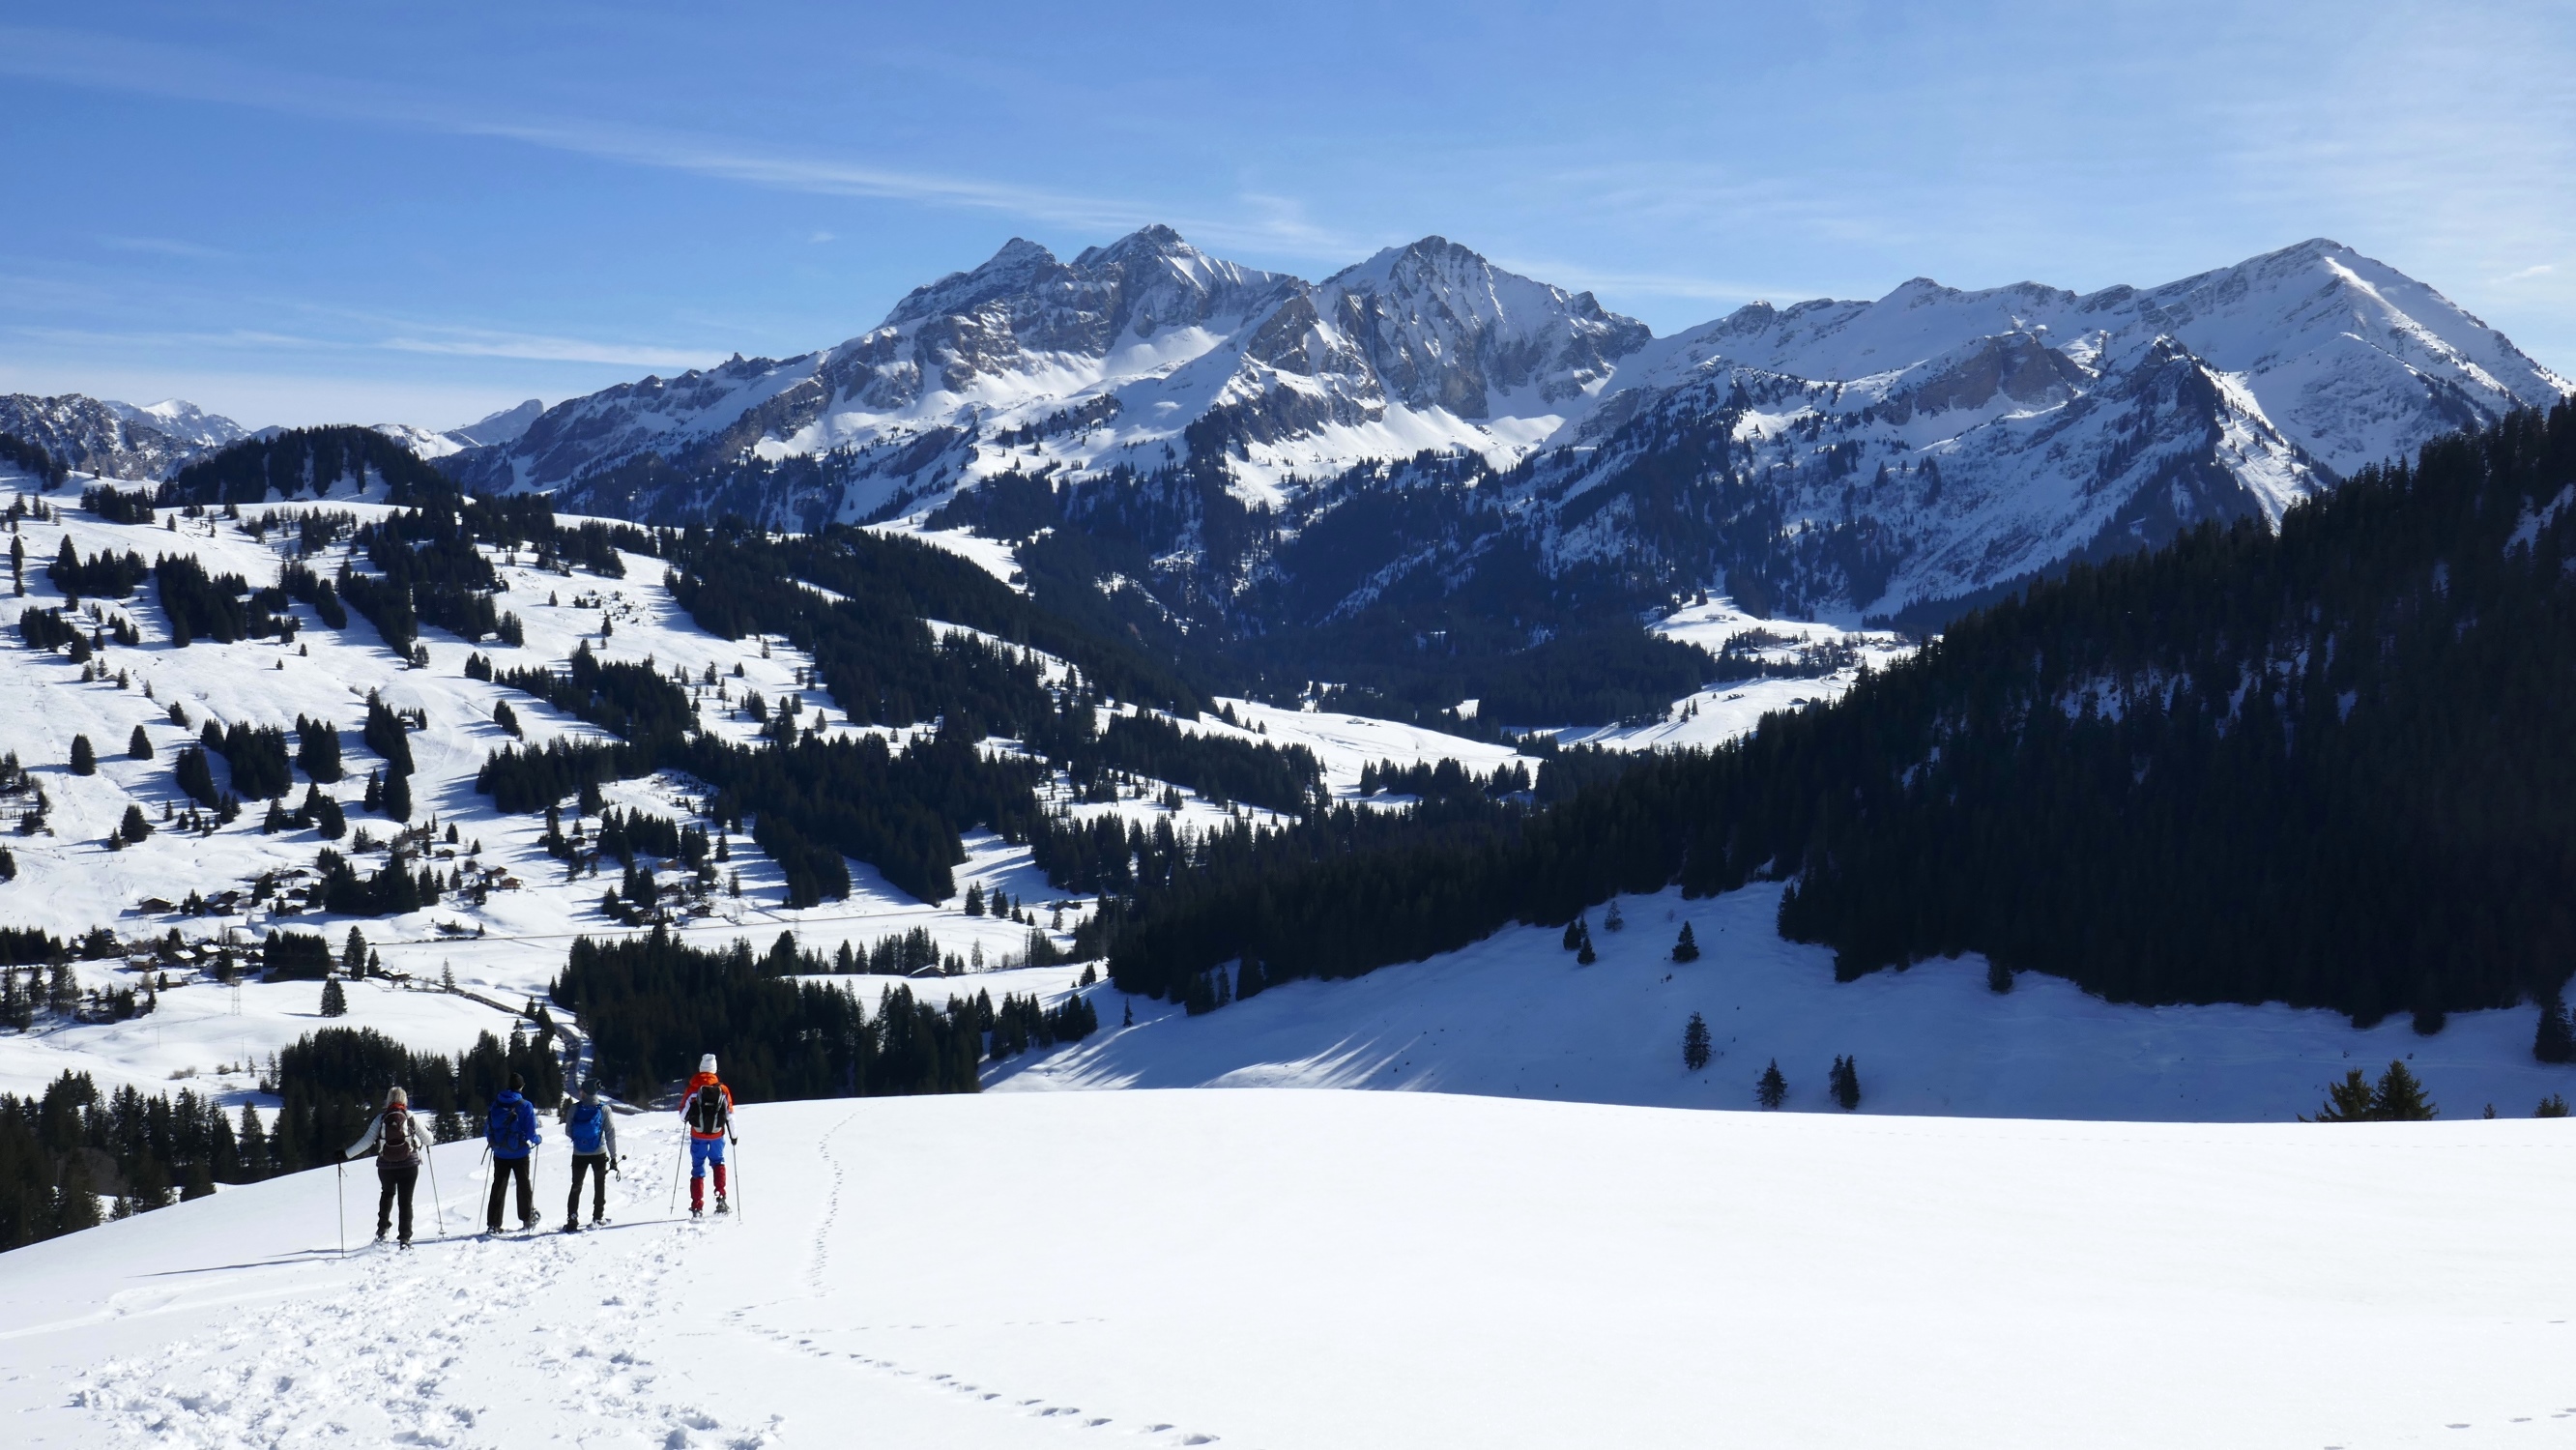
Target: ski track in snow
x,y
405,1349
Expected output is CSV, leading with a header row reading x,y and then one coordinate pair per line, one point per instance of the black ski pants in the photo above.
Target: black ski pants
x,y
394,1183
595,1164
504,1170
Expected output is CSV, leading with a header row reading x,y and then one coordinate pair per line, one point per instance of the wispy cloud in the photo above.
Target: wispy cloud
x,y
411,337
546,349
114,63
2525,275
161,246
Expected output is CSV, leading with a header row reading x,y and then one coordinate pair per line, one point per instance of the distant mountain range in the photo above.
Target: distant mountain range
x,y
1891,458
1855,456
120,440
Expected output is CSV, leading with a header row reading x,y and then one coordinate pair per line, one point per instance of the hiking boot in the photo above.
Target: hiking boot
x,y
380,1233
572,1226
721,1205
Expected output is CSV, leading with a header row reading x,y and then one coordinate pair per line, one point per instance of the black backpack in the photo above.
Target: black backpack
x,y
393,1140
707,1110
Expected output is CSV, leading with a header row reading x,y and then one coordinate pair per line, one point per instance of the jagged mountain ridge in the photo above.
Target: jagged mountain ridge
x,y
2016,426
118,439
1114,360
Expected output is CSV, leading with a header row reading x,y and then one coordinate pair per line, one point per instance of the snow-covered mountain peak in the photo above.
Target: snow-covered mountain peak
x,y
1018,267
182,420
502,426
1446,328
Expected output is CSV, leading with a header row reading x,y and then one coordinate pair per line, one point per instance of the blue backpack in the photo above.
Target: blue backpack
x,y
505,1130
583,1126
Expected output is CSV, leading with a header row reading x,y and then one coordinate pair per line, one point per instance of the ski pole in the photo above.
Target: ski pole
x,y
435,1206
736,1146
487,1185
676,1165
340,1197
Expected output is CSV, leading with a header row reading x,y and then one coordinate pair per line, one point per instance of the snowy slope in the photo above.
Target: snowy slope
x,y
1515,1016
507,946
1334,1270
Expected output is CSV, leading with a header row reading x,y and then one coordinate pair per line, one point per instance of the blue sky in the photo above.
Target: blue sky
x,y
300,213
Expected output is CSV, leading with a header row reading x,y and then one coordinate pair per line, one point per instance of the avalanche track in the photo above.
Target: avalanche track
x,y
1316,1269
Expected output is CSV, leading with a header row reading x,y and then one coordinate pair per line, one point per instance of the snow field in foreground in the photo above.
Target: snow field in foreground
x,y
1302,1269
1514,1016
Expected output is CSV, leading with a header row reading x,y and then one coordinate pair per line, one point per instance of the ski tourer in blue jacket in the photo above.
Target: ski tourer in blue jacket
x,y
512,1126
511,1130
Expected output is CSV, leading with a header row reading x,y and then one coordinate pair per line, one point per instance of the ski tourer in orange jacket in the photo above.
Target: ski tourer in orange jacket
x,y
707,1107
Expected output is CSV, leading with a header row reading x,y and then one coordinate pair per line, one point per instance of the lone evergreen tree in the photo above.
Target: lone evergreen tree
x,y
1846,1083
353,954
2348,1101
1686,947
1771,1089
1584,955
2400,1098
138,746
136,827
1612,920
1998,977
1695,1043
335,1002
84,759
2554,1042
1575,934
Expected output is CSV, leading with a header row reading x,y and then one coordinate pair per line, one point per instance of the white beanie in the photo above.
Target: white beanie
x,y
707,1063
397,1096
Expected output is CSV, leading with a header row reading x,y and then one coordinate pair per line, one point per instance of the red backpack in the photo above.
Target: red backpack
x,y
393,1138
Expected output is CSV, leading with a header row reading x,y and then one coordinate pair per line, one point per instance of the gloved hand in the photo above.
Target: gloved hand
x,y
736,1140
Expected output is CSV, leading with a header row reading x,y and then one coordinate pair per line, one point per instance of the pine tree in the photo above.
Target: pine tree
x,y
1612,920
84,759
397,801
1576,933
2555,1041
1771,1089
335,1002
1999,978
2400,1098
2552,1106
353,954
136,827
138,746
1846,1082
1584,956
2348,1101
1695,1043
1686,947
975,898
